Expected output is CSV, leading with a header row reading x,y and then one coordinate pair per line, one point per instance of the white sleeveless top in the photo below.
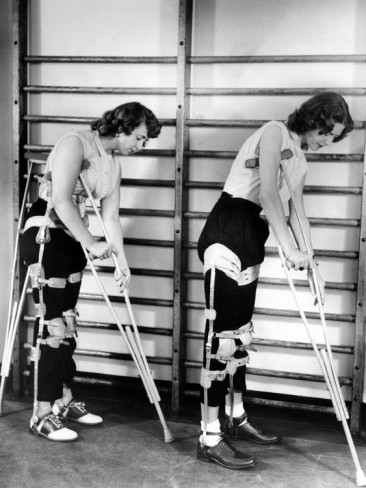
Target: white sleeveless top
x,y
244,182
99,168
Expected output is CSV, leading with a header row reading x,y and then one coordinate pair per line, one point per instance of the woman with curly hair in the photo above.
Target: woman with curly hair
x,y
59,214
231,248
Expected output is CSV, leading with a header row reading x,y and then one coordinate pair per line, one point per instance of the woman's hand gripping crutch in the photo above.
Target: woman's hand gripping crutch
x,y
324,356
14,308
133,341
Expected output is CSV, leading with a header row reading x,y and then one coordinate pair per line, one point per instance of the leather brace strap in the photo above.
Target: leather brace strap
x,y
53,282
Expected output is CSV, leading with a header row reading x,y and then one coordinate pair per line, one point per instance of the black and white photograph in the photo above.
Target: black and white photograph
x,y
183,243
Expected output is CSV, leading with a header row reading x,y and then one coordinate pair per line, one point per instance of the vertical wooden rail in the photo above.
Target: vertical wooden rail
x,y
359,348
180,224
19,24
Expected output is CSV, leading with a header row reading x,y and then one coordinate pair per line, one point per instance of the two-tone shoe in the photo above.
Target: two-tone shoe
x,y
76,412
52,427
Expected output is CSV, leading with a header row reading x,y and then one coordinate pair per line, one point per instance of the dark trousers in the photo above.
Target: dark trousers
x,y
62,257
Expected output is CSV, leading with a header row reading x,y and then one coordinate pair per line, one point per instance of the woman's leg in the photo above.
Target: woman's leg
x,y
211,446
51,333
65,403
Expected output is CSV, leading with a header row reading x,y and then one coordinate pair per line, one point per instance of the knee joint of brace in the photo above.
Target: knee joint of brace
x,y
40,309
71,322
36,272
236,362
57,330
35,354
208,376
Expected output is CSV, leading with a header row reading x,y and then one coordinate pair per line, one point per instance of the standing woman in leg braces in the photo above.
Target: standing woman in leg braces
x,y
55,229
231,248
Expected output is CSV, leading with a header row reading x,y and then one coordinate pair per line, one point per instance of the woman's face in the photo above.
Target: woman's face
x,y
316,139
129,144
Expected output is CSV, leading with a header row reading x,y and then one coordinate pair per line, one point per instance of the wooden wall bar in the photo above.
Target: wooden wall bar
x,y
359,352
20,138
180,223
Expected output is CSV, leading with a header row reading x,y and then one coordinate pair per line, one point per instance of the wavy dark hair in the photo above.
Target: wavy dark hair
x,y
125,118
321,112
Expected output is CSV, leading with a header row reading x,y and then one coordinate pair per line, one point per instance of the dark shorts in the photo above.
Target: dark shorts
x,y
236,224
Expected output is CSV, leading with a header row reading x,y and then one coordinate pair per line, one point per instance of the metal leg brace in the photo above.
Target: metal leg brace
x,y
232,355
132,340
42,239
324,356
211,318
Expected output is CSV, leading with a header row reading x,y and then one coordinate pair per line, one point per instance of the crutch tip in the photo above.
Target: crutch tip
x,y
168,436
360,478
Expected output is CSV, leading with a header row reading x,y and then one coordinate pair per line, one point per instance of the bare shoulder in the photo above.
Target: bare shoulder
x,y
270,149
272,136
70,146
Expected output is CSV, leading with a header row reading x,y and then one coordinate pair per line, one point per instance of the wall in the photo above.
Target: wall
x,y
6,166
149,28
282,28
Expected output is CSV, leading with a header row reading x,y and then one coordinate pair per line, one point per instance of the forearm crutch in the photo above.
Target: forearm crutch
x,y
10,339
317,293
133,341
14,309
324,356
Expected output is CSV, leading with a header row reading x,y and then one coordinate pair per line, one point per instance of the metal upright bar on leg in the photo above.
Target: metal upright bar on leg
x,y
208,347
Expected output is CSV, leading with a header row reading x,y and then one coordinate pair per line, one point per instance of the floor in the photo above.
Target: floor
x,y
128,449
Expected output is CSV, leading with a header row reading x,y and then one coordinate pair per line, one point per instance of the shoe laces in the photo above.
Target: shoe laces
x,y
80,406
227,446
55,419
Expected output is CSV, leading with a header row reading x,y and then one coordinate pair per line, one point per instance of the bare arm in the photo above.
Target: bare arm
x,y
112,223
66,170
298,220
269,165
300,226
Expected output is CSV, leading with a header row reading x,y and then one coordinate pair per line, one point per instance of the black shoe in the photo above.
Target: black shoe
x,y
247,431
224,455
